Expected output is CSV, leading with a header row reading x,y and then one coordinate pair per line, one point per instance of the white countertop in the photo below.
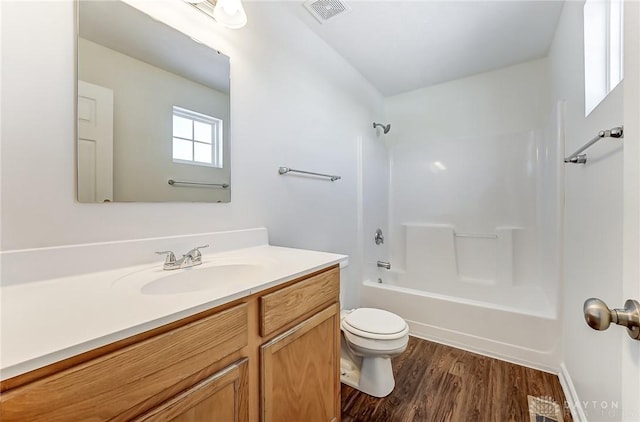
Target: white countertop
x,y
46,321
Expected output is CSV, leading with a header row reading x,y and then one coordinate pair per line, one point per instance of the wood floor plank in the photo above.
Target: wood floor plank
x,y
437,383
473,395
508,392
439,390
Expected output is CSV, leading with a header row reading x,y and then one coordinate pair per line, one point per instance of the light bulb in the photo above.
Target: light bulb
x,y
230,6
230,13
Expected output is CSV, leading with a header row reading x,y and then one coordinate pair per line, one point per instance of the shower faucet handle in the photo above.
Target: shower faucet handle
x,y
378,237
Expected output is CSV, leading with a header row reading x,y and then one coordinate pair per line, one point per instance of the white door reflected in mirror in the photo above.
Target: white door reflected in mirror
x,y
95,143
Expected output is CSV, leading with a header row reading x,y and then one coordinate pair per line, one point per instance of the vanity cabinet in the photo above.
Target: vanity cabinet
x,y
271,356
121,384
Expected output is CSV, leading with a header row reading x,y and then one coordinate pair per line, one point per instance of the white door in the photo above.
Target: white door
x,y
95,143
630,349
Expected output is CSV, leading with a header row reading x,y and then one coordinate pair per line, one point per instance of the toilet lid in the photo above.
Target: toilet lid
x,y
375,321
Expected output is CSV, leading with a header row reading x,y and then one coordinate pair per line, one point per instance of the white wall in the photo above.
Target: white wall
x,y
467,153
295,102
593,224
142,148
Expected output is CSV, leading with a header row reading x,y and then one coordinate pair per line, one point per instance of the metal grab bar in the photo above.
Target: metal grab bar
x,y
579,158
183,182
477,235
285,170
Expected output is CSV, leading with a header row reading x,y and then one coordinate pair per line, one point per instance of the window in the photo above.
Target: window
x,y
603,49
197,138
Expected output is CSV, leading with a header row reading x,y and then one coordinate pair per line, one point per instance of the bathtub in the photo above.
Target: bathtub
x,y
518,324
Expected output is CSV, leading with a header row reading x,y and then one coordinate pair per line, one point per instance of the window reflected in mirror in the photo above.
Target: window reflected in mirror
x,y
197,138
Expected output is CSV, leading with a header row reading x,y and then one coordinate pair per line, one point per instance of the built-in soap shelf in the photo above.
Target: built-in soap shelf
x,y
439,253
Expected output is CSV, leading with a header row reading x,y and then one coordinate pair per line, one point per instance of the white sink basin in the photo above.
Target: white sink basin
x,y
207,276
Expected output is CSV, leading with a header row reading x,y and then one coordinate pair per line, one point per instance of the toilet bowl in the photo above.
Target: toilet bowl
x,y
370,338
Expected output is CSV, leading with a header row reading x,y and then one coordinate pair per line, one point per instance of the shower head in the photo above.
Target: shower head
x,y
385,129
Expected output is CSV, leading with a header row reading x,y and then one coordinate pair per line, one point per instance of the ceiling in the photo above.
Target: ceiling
x,y
401,46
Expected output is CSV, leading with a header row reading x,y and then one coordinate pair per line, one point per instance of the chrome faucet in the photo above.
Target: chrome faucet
x,y
190,259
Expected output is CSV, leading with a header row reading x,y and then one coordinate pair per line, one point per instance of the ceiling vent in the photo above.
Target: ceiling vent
x,y
325,10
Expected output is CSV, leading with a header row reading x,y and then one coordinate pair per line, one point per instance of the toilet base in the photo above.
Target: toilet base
x,y
371,375
349,373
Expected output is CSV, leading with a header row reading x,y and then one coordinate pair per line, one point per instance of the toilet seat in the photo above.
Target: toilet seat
x,y
364,346
375,324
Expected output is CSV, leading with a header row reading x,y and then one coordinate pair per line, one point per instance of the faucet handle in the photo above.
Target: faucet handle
x,y
195,252
171,258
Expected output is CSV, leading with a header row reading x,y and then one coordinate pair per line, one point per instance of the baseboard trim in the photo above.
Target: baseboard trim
x,y
486,347
571,395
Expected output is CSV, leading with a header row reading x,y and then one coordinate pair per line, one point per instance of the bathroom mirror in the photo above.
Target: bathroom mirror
x,y
153,110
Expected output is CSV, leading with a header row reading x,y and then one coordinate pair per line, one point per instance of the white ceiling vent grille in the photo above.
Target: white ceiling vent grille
x,y
324,10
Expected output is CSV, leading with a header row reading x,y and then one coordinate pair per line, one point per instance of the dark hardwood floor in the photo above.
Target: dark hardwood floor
x,y
440,383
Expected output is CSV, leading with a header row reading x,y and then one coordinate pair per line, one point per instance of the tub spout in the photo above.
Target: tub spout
x,y
385,265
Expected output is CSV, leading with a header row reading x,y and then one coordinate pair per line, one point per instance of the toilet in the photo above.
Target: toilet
x,y
370,338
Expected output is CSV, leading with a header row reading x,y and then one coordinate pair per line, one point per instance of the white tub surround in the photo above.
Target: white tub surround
x,y
474,192
441,252
45,320
475,221
482,267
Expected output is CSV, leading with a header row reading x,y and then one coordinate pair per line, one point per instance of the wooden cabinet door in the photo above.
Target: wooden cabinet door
x,y
222,397
301,371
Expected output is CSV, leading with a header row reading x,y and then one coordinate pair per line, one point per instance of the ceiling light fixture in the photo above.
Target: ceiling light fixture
x,y
229,13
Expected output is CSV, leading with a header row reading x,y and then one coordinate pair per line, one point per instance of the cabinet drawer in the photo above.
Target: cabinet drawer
x,y
131,380
284,306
